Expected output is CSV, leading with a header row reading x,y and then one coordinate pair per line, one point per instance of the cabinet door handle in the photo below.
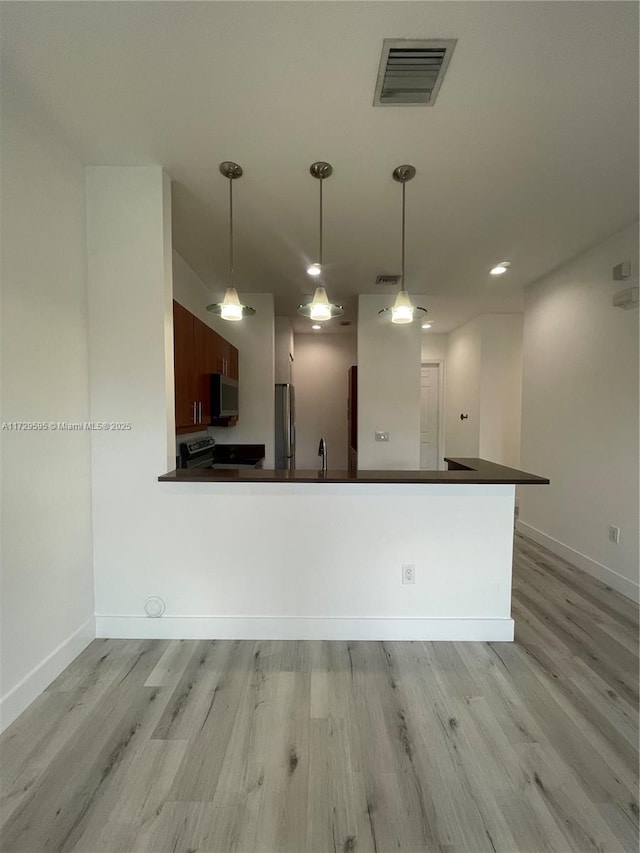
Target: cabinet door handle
x,y
200,412
194,412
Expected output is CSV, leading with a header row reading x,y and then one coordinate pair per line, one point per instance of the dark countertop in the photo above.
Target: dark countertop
x,y
461,470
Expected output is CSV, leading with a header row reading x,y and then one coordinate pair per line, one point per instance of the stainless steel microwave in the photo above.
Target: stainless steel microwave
x,y
224,396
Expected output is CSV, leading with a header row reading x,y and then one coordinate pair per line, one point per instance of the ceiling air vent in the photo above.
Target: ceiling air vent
x,y
411,71
389,280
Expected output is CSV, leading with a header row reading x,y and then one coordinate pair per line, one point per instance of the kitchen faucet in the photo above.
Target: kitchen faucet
x,y
322,451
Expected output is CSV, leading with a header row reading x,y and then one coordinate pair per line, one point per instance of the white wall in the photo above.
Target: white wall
x,y
322,387
47,578
130,311
580,413
501,389
433,347
254,338
484,380
462,390
284,351
388,388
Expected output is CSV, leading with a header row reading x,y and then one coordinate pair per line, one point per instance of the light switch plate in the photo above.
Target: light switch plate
x,y
382,436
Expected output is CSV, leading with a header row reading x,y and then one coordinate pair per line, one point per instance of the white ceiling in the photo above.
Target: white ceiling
x,y
530,153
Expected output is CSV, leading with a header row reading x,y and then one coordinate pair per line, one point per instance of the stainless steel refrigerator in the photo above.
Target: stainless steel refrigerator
x,y
285,457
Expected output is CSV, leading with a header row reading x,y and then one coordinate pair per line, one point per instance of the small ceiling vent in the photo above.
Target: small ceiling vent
x,y
411,71
388,280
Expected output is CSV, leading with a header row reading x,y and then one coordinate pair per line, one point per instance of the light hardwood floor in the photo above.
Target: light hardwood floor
x,y
154,746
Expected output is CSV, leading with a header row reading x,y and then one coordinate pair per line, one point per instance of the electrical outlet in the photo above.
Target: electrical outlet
x,y
409,573
614,534
382,436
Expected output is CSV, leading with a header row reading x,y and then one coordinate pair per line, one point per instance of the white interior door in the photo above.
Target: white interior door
x,y
429,417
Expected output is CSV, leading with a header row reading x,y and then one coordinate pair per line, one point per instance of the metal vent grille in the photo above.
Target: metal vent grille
x,y
411,71
388,280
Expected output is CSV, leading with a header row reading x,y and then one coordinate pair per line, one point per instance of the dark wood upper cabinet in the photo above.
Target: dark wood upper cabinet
x,y
202,370
233,363
228,360
225,346
212,350
183,359
198,352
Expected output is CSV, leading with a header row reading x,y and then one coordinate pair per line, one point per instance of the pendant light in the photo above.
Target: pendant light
x,y
403,311
231,308
320,309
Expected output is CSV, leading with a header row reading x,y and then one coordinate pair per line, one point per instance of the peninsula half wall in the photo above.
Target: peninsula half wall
x,y
277,555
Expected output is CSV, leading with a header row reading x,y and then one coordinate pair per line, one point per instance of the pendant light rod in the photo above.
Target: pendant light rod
x,y
231,231
320,247
231,308
404,192
402,310
231,171
321,171
402,174
320,309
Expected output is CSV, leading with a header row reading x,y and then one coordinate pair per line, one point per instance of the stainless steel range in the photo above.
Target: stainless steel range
x,y
205,453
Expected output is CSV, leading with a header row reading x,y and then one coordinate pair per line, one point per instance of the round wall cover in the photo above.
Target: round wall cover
x,y
154,606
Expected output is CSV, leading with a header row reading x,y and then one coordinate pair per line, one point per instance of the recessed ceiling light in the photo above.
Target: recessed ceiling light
x,y
316,327
314,269
500,268
426,325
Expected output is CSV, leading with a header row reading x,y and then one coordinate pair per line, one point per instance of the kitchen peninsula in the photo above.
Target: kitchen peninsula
x,y
364,555
461,470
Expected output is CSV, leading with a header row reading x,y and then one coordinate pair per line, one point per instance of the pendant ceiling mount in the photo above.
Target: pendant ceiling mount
x,y
231,308
403,311
321,170
230,170
402,174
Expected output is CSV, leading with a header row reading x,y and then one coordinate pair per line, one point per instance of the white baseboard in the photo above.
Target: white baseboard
x,y
282,628
623,585
41,676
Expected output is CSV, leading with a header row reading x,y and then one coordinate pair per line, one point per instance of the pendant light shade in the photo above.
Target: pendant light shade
x,y
231,308
403,311
320,309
